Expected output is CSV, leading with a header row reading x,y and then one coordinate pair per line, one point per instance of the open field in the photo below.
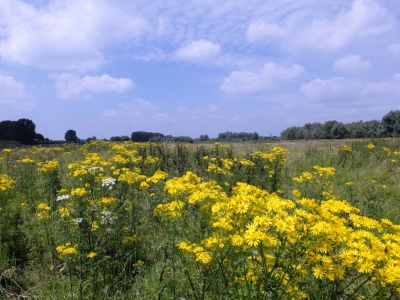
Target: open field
x,y
251,220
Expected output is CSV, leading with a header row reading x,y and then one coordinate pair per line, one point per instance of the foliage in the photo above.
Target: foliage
x,y
145,220
389,126
7,131
70,136
204,138
228,136
22,131
143,136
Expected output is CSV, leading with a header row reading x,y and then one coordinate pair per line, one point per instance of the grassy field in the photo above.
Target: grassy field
x,y
251,220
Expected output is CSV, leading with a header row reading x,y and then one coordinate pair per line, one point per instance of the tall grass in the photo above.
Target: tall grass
x,y
213,221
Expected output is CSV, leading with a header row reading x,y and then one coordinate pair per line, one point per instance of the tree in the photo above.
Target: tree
x,y
204,138
390,124
24,131
290,133
144,136
327,129
70,136
339,131
89,139
39,137
116,139
7,130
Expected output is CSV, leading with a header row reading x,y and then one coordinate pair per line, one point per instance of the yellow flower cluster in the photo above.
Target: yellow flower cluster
x,y
67,249
305,176
43,211
6,182
346,148
78,192
48,166
280,237
195,250
91,255
129,239
129,176
171,210
64,212
157,176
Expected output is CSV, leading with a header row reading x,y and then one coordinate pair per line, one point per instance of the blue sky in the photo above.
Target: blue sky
x,y
111,67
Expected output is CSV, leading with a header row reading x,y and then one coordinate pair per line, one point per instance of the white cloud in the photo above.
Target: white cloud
x,y
213,108
181,109
363,19
112,113
13,94
64,35
395,48
137,107
335,90
351,64
71,86
267,79
351,91
259,30
198,51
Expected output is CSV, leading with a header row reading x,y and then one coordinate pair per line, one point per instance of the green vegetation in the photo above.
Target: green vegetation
x,y
389,126
241,221
22,131
70,136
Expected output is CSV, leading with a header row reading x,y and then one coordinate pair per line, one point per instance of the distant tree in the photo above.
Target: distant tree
x,y
24,131
327,129
7,131
228,136
141,136
290,133
204,138
339,131
390,124
317,131
125,138
39,137
371,128
307,129
116,139
70,136
144,136
358,131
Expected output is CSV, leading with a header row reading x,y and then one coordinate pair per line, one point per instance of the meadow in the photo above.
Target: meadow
x,y
253,220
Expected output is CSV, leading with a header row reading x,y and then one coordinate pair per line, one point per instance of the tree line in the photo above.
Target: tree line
x,y
23,131
389,126
229,136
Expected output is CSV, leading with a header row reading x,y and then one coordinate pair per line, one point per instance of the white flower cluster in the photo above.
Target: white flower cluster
x,y
106,217
77,220
62,197
108,182
94,169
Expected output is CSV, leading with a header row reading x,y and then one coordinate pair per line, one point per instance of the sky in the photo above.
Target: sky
x,y
190,67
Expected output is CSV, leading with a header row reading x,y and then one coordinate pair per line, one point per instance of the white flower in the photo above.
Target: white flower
x,y
106,217
94,169
77,220
108,182
62,197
